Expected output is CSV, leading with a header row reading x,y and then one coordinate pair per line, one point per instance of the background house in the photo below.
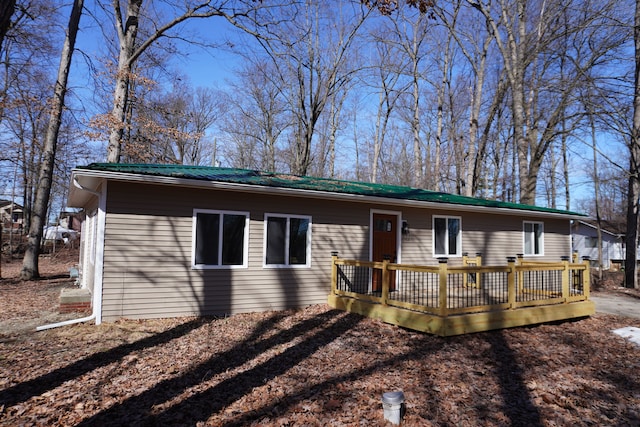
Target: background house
x,y
584,238
11,215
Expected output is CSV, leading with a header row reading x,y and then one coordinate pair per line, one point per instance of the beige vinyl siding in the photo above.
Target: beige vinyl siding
x,y
495,236
148,243
147,271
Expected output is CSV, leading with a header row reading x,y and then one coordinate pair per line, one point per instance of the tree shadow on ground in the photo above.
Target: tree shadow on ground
x,y
517,402
199,407
417,351
37,386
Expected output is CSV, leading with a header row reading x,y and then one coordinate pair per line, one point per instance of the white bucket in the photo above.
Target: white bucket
x,y
393,406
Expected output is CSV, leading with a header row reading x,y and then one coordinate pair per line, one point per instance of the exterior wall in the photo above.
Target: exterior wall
x,y
611,245
147,258
148,240
88,247
495,236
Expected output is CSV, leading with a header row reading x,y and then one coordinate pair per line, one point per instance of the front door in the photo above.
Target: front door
x,y
385,243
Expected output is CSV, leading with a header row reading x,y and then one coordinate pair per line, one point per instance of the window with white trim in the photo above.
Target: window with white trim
x,y
533,238
447,236
220,239
287,241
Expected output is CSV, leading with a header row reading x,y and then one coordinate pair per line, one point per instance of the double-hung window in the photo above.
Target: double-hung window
x,y
533,238
287,241
447,236
220,239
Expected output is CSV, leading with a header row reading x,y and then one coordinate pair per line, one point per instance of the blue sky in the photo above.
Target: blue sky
x,y
213,67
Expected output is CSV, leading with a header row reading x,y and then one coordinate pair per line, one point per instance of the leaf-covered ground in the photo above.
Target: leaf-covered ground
x,y
311,367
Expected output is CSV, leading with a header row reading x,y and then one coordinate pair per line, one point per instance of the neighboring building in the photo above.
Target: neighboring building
x,y
71,220
11,215
167,240
585,243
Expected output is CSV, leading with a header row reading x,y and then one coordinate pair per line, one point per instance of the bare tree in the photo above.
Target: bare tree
x,y
173,126
529,36
385,78
410,33
474,42
127,24
257,117
310,48
43,190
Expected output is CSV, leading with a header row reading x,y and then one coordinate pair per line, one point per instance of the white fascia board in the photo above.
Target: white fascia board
x,y
313,194
595,228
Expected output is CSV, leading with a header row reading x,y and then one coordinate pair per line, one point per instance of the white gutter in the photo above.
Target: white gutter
x,y
97,289
77,184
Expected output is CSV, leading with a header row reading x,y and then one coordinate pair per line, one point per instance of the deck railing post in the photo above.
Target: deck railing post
x,y
586,278
442,286
385,279
334,272
520,260
465,263
511,282
478,274
471,279
566,277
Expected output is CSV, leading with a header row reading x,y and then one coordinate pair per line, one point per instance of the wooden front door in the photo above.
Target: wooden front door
x,y
385,243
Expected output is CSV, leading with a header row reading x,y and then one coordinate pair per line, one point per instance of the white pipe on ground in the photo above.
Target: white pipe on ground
x,y
94,313
66,322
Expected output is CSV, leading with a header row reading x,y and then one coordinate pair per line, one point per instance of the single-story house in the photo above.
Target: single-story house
x,y
173,240
585,244
11,215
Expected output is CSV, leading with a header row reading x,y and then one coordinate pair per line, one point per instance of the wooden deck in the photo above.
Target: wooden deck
x,y
449,301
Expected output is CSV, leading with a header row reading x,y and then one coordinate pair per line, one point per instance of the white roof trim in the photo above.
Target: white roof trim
x,y
601,229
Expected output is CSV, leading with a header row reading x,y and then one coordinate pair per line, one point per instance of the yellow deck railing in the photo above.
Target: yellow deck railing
x,y
446,291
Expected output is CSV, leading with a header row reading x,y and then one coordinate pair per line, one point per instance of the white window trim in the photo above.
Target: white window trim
x,y
458,254
245,243
524,236
286,243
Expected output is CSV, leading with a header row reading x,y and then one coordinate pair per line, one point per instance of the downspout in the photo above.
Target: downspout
x,y
68,322
97,301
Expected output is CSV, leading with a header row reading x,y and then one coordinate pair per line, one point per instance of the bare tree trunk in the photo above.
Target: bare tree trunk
x,y
439,132
337,103
127,33
565,169
7,7
631,238
415,130
552,177
43,190
596,185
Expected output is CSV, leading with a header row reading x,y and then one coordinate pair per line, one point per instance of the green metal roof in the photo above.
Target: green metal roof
x,y
278,180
